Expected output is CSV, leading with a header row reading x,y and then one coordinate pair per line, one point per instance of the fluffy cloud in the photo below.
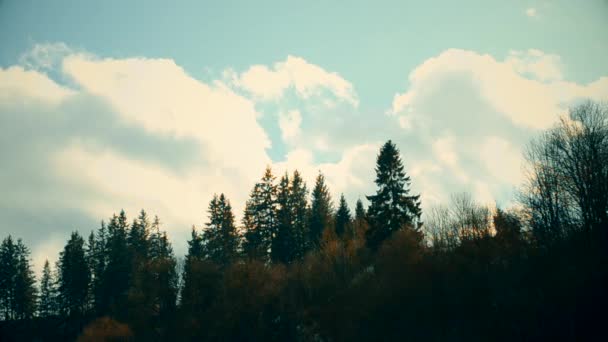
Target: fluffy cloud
x,y
473,114
307,79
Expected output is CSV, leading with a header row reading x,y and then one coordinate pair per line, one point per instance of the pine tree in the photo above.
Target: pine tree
x,y
220,236
8,276
198,276
156,286
343,218
391,207
321,212
17,281
299,203
25,284
359,211
117,274
283,244
47,302
259,218
98,260
73,277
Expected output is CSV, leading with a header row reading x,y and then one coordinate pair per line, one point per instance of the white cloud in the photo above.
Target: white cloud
x,y
537,64
306,78
531,12
502,160
289,123
526,102
160,96
18,83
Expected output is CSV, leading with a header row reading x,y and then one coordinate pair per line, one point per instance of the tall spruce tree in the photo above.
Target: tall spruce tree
x,y
343,218
392,208
73,277
25,284
8,275
299,203
359,211
283,244
321,212
259,218
98,260
17,281
220,236
47,301
117,273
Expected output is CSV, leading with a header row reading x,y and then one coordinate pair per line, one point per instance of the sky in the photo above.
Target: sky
x,y
110,105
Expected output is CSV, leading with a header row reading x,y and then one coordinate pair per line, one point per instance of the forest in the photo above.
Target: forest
x,y
303,266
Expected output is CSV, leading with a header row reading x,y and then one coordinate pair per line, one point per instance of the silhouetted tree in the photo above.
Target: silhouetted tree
x,y
25,284
343,218
299,204
283,245
392,208
259,218
220,236
321,212
117,274
47,302
8,277
73,277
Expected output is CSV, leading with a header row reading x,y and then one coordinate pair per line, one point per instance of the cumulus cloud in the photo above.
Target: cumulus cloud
x,y
474,113
307,79
537,64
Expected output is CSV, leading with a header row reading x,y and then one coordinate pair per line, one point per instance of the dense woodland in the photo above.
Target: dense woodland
x,y
302,266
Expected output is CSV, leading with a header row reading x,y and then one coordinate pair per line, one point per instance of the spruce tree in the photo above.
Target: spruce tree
x,y
321,212
392,208
283,244
343,218
220,236
299,203
8,276
73,277
359,211
47,302
98,260
25,284
259,218
117,273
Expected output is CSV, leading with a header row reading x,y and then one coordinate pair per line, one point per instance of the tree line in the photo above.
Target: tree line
x,y
297,268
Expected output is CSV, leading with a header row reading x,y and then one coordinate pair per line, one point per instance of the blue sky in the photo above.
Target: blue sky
x,y
127,104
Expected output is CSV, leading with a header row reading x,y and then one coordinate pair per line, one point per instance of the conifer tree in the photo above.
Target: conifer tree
x,y
299,203
8,276
98,259
73,277
117,273
17,281
283,244
321,211
259,218
25,284
392,208
47,302
343,218
359,211
220,236
197,276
